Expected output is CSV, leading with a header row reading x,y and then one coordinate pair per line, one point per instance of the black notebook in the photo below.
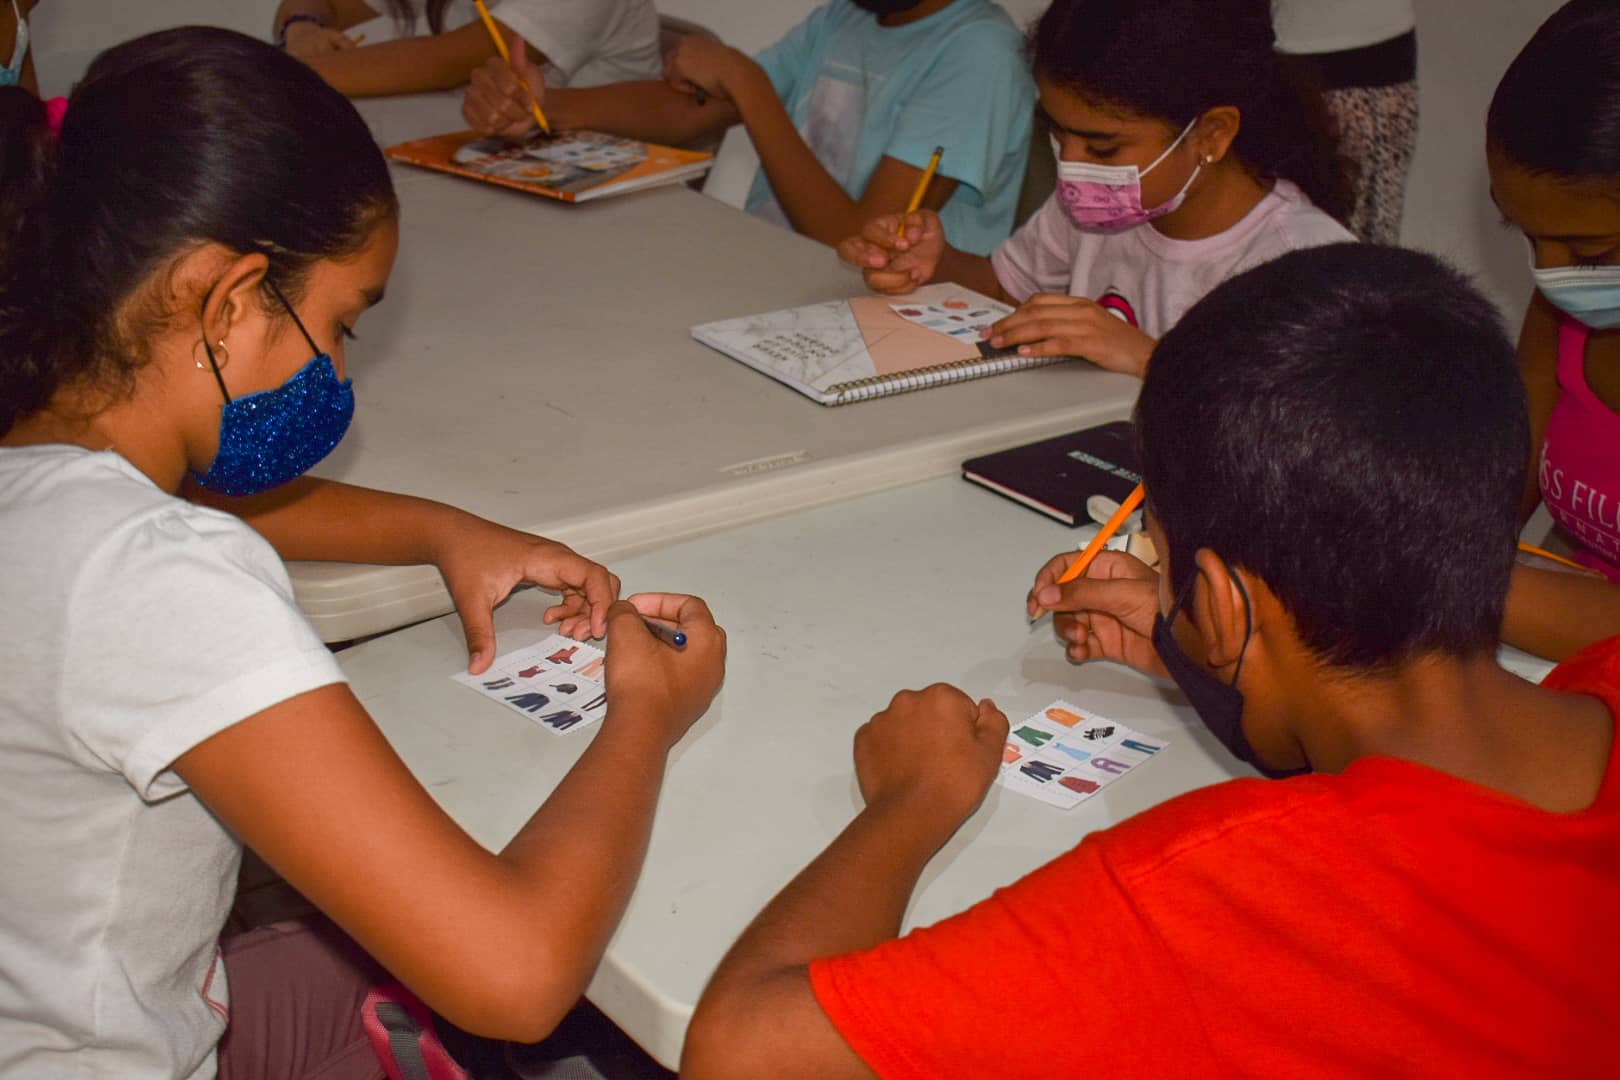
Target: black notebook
x,y
1056,476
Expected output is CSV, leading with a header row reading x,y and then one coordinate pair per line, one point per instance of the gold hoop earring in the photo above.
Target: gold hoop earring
x,y
220,361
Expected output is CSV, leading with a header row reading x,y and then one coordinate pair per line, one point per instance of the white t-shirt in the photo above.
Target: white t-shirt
x,y
585,42
1322,26
136,627
1142,275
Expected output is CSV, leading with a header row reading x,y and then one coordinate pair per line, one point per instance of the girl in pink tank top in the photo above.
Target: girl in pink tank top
x,y
1580,459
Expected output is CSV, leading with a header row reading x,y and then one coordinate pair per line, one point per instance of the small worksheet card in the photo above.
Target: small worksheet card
x,y
1063,754
955,317
557,683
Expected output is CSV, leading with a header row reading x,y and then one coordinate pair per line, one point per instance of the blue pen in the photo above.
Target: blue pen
x,y
666,633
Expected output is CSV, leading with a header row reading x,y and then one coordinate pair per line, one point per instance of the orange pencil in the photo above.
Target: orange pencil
x,y
1098,542
506,55
1531,549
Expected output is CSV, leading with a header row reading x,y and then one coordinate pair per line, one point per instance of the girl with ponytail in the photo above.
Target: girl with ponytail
x,y
1188,151
183,266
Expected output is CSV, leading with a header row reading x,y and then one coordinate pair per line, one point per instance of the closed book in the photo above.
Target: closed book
x,y
1058,476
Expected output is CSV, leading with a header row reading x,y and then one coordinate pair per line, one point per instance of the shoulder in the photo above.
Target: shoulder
x,y
980,35
1209,823
84,502
1290,220
1594,670
113,533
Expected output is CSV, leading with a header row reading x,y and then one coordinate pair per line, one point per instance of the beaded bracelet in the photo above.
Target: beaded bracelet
x,y
281,35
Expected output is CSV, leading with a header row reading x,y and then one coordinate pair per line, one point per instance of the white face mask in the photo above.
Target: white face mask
x,y
1588,294
12,72
1108,198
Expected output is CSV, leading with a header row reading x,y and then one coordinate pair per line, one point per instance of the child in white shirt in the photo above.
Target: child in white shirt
x,y
1185,157
411,46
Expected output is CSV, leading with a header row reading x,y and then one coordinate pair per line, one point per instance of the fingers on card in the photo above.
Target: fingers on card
x,y
1063,754
959,318
557,683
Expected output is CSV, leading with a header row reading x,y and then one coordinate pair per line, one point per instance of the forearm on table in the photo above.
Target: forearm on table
x,y
851,897
816,204
1554,614
410,65
581,853
648,110
327,521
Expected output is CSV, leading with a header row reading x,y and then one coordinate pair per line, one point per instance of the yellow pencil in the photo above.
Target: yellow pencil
x,y
921,190
357,39
1531,549
923,181
1098,542
506,55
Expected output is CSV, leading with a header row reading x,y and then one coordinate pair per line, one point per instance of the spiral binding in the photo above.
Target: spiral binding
x,y
899,382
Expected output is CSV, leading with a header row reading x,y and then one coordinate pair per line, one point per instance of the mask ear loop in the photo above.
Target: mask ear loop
x,y
314,348
1248,621
1248,612
214,366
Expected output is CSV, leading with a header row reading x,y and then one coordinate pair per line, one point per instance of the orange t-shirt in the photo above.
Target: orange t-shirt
x,y
1391,919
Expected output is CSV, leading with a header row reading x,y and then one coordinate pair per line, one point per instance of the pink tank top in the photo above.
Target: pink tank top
x,y
1580,459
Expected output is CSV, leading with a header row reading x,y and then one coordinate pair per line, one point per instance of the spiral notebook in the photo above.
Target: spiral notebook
x,y
872,346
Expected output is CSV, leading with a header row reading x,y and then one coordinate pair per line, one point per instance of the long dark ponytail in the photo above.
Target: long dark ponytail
x,y
187,136
1557,108
1176,59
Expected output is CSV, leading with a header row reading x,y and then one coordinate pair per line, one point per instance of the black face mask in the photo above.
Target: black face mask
x,y
1219,705
885,7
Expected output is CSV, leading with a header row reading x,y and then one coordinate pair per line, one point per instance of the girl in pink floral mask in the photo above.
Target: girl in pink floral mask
x,y
1187,151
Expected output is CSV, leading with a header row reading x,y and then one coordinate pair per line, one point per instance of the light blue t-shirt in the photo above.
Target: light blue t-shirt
x,y
858,92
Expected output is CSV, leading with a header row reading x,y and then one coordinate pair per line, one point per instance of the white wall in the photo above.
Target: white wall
x,y
1463,48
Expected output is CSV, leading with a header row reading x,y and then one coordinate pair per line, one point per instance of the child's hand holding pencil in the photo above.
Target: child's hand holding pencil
x,y
506,95
1106,614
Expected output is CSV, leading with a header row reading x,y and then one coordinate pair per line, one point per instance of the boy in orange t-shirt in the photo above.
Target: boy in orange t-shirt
x,y
1333,447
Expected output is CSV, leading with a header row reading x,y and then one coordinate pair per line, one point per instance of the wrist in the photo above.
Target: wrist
x,y
640,729
291,24
743,82
928,815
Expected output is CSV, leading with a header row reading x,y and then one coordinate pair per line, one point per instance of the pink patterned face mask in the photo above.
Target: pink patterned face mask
x,y
1108,198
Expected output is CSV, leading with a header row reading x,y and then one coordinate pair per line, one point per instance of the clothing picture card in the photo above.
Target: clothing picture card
x,y
956,317
1064,754
558,683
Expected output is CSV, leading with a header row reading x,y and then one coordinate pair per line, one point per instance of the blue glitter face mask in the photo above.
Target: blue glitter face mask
x,y
273,436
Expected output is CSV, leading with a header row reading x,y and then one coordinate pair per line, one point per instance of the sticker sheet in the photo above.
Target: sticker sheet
x,y
955,317
557,683
1063,754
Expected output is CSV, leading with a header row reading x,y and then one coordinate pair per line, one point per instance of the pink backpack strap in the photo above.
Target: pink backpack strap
x,y
402,1036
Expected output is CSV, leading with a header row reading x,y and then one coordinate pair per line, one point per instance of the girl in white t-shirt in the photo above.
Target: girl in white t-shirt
x,y
193,252
1187,154
372,48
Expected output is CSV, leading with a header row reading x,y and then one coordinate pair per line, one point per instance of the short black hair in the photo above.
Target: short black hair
x,y
1557,109
1347,423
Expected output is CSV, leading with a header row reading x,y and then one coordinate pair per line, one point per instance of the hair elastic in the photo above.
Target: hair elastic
x,y
55,112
